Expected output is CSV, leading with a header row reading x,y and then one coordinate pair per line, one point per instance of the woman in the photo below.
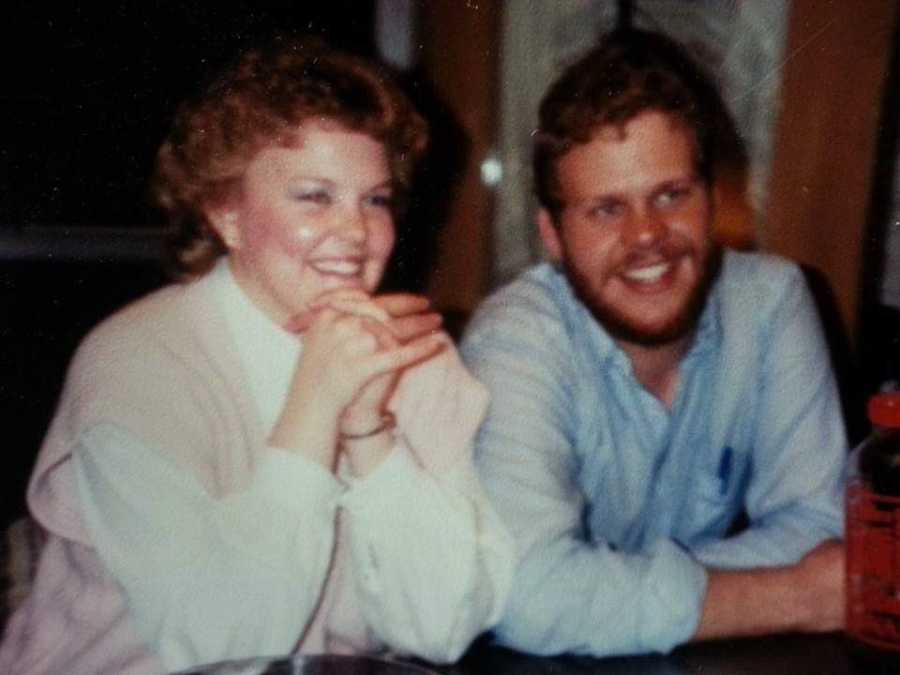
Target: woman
x,y
267,457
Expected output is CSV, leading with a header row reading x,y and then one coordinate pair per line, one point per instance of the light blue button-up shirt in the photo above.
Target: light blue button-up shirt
x,y
619,505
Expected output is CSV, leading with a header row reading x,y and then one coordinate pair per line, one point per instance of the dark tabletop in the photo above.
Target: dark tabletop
x,y
829,654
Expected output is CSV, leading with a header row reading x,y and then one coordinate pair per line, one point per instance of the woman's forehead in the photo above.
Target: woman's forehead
x,y
326,151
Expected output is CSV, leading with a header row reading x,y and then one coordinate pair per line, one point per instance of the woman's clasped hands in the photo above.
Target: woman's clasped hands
x,y
355,346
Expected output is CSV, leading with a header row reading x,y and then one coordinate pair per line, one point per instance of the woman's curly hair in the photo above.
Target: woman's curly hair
x,y
260,101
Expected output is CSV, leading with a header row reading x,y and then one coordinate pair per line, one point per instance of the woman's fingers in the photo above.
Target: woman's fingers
x,y
343,300
406,314
408,328
361,306
411,315
401,304
382,333
322,316
345,354
301,322
405,355
355,303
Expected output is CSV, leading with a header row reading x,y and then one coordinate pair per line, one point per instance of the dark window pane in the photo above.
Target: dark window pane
x,y
90,89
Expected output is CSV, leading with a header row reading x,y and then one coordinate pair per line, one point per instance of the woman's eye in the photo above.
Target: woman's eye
x,y
313,197
381,201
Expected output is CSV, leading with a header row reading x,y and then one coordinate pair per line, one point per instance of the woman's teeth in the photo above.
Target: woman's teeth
x,y
647,275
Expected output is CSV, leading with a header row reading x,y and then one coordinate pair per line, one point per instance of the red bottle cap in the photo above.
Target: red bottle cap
x,y
884,410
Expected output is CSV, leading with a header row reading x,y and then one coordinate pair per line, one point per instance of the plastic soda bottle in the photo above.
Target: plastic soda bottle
x,y
873,534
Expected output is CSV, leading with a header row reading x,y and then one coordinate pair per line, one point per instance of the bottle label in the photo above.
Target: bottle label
x,y
873,567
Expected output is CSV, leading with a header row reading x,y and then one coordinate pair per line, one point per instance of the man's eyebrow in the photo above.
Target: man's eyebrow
x,y
674,182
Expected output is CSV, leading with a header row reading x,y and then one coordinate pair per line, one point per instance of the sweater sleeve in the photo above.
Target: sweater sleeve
x,y
433,562
433,565
208,579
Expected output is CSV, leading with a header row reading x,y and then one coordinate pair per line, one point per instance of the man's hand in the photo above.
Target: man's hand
x,y
805,597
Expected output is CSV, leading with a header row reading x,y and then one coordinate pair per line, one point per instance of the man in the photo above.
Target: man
x,y
649,388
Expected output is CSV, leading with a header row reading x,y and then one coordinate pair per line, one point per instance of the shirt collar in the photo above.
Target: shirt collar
x,y
709,324
267,352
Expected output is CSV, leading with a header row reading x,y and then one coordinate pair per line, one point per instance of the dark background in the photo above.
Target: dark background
x,y
91,87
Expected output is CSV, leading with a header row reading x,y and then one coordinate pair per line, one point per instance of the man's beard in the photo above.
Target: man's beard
x,y
621,328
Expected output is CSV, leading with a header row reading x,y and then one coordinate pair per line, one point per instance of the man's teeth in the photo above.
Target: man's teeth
x,y
647,275
341,267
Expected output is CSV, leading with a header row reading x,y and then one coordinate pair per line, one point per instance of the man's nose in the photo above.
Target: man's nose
x,y
646,228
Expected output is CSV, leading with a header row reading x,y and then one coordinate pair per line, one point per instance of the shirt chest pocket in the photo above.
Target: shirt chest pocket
x,y
720,485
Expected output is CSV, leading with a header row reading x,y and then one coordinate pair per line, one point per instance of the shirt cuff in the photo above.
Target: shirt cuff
x,y
671,608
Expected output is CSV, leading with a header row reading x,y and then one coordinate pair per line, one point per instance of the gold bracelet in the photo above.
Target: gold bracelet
x,y
388,422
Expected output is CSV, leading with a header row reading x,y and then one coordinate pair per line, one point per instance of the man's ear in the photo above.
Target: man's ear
x,y
225,222
549,235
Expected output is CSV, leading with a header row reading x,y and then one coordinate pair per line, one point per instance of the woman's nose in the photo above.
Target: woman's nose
x,y
351,224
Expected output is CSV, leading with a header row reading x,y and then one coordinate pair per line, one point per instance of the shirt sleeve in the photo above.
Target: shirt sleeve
x,y
208,579
432,562
570,595
795,497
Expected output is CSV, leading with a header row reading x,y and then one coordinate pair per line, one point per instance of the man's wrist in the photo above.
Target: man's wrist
x,y
741,603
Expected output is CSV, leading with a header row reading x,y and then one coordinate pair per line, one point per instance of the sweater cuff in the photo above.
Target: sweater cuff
x,y
391,478
295,482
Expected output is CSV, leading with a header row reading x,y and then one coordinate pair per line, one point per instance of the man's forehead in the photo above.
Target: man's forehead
x,y
647,151
636,125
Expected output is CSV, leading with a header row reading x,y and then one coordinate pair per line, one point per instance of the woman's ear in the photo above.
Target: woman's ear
x,y
225,222
549,235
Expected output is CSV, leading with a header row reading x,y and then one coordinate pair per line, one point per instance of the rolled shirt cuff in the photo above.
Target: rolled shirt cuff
x,y
672,606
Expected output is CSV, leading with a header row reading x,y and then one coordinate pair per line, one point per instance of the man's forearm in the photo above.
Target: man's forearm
x,y
752,602
806,597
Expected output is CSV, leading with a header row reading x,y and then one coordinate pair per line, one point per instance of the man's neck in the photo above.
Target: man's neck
x,y
658,367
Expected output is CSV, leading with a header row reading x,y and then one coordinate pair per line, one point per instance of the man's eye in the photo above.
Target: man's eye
x,y
673,196
606,211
